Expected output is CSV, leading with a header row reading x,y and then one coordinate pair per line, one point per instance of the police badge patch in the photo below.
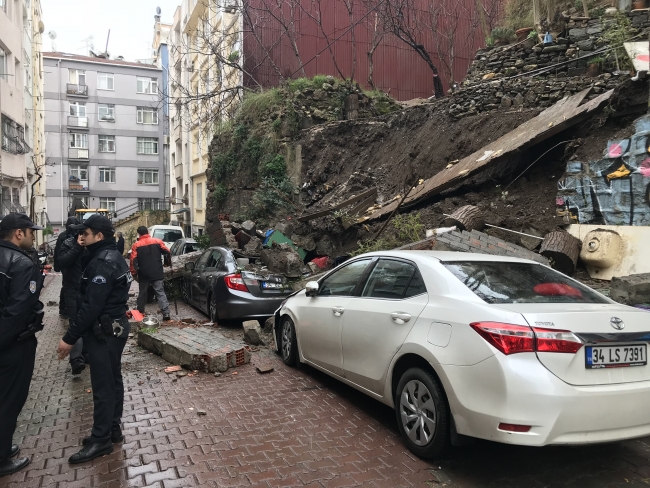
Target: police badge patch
x,y
99,280
32,286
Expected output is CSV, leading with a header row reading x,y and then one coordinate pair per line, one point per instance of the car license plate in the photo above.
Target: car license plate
x,y
597,357
271,286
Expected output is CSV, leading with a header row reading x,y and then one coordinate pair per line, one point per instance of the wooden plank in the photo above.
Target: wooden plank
x,y
363,206
555,119
345,203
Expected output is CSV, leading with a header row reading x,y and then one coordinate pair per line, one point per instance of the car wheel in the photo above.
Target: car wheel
x,y
212,308
185,292
422,413
288,343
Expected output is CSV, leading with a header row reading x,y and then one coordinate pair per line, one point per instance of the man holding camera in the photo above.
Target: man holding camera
x,y
101,320
21,317
67,259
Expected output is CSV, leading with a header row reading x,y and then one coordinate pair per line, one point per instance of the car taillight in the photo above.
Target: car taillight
x,y
507,338
235,282
551,340
511,339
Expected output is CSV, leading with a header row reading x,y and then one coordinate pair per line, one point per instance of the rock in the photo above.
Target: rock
x,y
324,246
285,227
283,259
594,30
217,374
489,76
249,227
553,49
631,290
253,333
201,412
327,87
586,45
178,264
518,101
268,325
530,67
506,103
578,34
306,242
236,227
254,246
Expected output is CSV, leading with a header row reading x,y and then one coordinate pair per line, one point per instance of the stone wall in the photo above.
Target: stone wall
x,y
507,77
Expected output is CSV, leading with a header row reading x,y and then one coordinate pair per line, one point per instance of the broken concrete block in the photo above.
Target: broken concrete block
x,y
268,325
631,290
254,246
252,333
324,247
285,227
306,242
283,259
249,227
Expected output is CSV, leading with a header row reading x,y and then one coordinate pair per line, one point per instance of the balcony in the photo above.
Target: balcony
x,y
77,90
77,122
77,153
78,185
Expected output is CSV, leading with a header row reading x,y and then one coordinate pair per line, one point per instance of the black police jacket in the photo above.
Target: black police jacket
x,y
69,260
105,285
57,248
20,286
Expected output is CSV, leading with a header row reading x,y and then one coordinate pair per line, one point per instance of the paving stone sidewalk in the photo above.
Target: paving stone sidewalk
x,y
291,427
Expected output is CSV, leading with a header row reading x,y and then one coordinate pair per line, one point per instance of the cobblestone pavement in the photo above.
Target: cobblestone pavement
x,y
292,427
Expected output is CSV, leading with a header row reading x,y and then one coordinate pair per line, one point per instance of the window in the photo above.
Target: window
x,y
416,286
345,280
15,195
107,203
147,177
147,145
199,195
77,76
13,137
107,144
78,172
105,81
203,260
106,112
79,141
503,282
147,115
147,85
78,109
215,260
167,235
3,63
389,279
106,175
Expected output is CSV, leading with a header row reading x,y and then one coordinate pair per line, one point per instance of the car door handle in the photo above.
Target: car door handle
x,y
400,317
338,311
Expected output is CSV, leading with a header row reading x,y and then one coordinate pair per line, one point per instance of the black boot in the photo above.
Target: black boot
x,y
10,466
14,451
116,437
91,451
77,366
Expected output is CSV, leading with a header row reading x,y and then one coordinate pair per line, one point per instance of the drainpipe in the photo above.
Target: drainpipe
x,y
58,74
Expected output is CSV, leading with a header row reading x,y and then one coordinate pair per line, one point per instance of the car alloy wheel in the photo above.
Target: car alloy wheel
x,y
418,413
422,413
288,343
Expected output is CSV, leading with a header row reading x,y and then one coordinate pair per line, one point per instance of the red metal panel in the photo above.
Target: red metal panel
x,y
398,69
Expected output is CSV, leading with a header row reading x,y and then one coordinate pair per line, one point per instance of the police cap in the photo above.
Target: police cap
x,y
96,222
18,221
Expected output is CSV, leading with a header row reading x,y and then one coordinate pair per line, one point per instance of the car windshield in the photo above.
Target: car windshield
x,y
167,235
191,247
505,282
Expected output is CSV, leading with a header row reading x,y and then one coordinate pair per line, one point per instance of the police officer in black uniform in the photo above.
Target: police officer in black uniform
x,y
101,321
22,315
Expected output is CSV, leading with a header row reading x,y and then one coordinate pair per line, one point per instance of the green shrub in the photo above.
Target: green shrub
x,y
409,227
503,34
220,193
203,240
268,198
273,166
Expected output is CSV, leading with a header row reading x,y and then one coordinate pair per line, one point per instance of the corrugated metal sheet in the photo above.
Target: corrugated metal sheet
x,y
272,27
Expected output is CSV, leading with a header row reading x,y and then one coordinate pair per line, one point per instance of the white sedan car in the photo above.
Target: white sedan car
x,y
475,345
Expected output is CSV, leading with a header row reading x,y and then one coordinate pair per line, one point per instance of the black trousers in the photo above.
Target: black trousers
x,y
16,369
69,299
105,359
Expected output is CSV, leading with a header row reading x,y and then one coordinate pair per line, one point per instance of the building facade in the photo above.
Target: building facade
x,y
22,162
193,76
104,135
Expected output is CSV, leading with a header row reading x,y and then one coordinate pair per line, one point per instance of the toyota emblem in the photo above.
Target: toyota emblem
x,y
616,323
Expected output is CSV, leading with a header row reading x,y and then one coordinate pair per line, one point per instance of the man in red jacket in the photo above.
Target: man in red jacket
x,y
147,267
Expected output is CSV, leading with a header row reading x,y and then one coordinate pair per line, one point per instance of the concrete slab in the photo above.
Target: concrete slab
x,y
200,348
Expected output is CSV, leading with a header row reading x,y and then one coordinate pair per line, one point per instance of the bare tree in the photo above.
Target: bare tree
x,y
377,37
402,19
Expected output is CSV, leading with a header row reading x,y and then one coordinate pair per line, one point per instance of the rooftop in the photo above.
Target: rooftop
x,y
91,59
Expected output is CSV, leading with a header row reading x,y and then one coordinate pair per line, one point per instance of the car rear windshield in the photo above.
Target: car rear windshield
x,y
504,282
167,235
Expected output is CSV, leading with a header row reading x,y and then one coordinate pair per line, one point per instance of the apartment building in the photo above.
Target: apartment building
x,y
193,74
22,181
104,135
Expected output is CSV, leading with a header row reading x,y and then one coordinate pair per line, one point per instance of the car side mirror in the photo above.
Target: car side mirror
x,y
311,290
189,266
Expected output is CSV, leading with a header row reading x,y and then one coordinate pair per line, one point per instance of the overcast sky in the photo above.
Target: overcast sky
x,y
130,21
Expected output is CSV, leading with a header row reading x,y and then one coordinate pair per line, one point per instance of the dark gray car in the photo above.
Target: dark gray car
x,y
216,285
184,246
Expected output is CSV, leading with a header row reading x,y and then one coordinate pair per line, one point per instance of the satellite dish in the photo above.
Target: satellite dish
x,y
158,10
51,35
